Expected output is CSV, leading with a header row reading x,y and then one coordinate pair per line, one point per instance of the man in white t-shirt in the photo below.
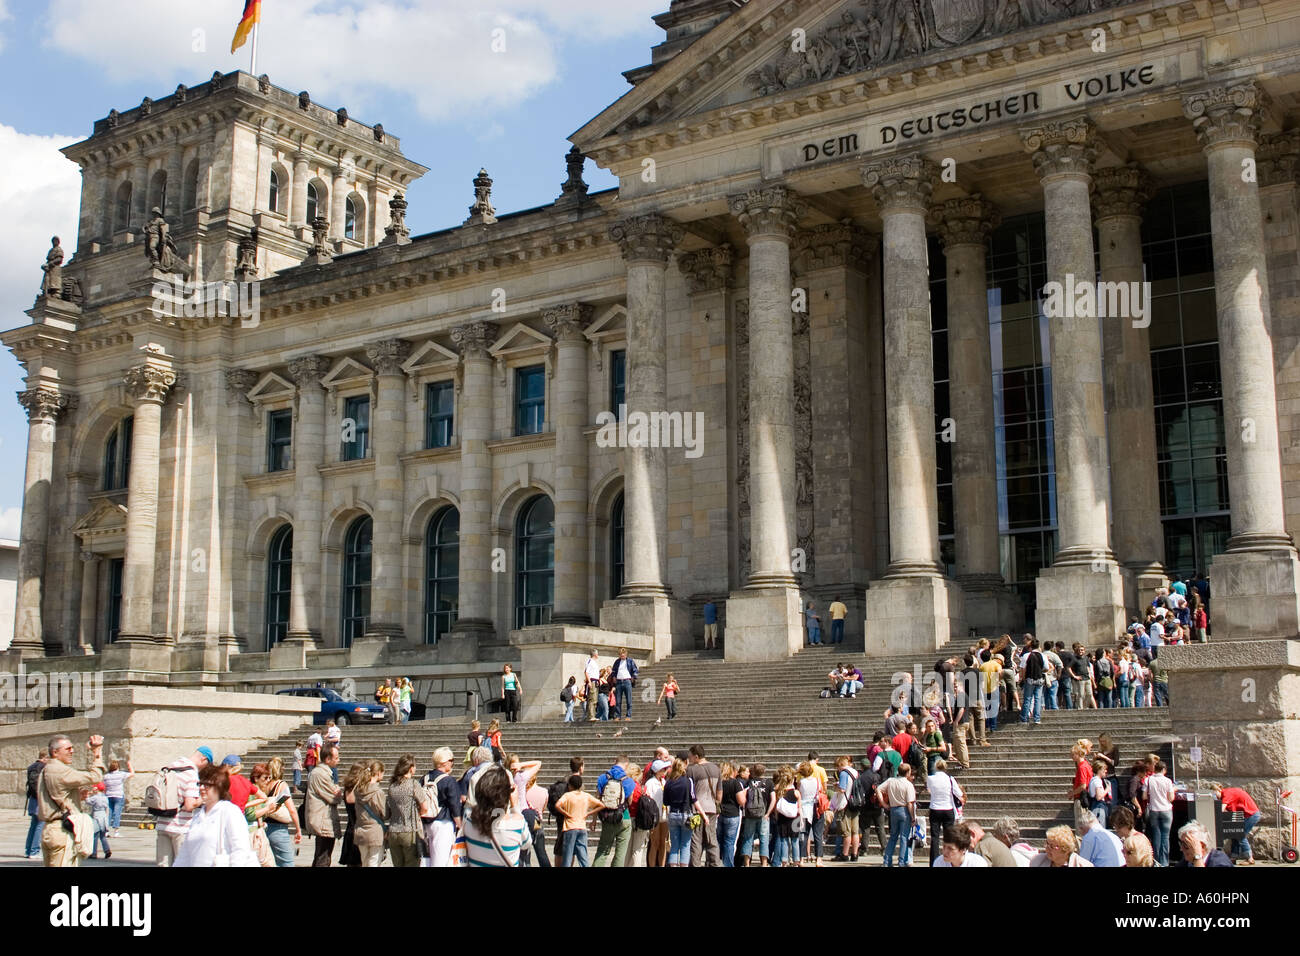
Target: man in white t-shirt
x,y
591,672
172,834
956,848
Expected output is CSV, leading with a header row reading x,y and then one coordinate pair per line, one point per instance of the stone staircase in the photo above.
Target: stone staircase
x,y
770,712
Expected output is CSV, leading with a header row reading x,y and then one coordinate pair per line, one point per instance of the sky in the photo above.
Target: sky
x,y
426,69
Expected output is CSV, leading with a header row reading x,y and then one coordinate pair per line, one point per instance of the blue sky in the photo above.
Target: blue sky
x,y
424,68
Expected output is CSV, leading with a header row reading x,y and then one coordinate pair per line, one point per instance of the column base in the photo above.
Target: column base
x,y
1141,581
550,654
1255,595
991,607
666,620
576,620
1081,603
291,653
764,624
913,615
371,648
138,659
27,650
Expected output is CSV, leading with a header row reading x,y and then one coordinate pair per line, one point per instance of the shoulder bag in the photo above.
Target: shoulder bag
x,y
421,844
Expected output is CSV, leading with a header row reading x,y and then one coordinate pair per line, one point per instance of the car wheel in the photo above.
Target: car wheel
x,y
341,719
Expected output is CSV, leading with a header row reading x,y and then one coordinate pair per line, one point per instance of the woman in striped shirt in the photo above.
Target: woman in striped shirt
x,y
495,833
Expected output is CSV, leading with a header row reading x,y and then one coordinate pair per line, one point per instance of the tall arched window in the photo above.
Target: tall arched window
x,y
350,219
122,213
190,195
279,568
535,563
117,455
273,195
441,573
311,202
356,579
616,547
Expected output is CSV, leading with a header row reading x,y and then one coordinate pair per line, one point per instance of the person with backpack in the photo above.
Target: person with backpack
x,y
567,697
615,787
444,802
33,846
649,844
682,807
1032,670
872,816
731,796
851,799
174,795
755,820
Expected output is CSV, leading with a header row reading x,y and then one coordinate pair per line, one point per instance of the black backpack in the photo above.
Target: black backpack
x,y
755,800
859,795
647,813
553,793
566,695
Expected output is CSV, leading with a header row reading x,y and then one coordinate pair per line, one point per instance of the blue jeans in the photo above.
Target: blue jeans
x,y
281,841
568,712
784,850
679,839
728,831
623,694
1125,694
34,830
814,635
837,631
1159,823
573,844
602,707
992,703
1069,691
1033,706
1100,809
900,835
1139,695
1106,698
754,828
101,837
1161,693
1242,846
297,780
115,805
1049,696
849,686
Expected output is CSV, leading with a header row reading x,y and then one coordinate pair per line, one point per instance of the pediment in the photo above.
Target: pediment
x,y
346,371
612,323
518,339
271,387
428,357
108,517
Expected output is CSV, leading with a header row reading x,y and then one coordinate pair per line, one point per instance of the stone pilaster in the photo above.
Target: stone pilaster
x,y
964,225
569,390
914,608
1081,597
474,429
308,455
89,617
1256,581
1118,195
388,430
172,204
338,200
147,385
44,404
139,193
298,191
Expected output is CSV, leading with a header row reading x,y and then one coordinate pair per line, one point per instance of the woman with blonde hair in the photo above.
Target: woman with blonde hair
x,y
350,854
1062,849
681,803
368,796
1137,851
281,817
493,740
1082,776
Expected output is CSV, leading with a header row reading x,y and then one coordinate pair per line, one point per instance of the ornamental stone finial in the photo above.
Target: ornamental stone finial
x,y
650,237
396,231
1064,148
574,189
770,211
320,249
966,220
482,211
901,182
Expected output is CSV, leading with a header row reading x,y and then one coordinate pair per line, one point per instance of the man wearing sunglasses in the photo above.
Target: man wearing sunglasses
x,y
57,795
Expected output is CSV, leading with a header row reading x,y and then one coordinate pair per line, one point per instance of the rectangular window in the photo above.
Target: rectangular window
x,y
617,381
356,428
530,400
279,440
114,622
438,415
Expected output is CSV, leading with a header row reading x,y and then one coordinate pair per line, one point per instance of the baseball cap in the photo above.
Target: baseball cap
x,y
99,786
231,760
658,765
207,754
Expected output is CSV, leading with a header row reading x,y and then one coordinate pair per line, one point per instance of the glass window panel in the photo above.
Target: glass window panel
x,y
1165,330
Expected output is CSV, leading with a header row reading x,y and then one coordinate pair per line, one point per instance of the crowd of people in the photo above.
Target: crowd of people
x,y
605,691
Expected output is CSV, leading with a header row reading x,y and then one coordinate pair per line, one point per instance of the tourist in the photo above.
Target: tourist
x,y
97,807
710,626
333,733
933,745
731,796
814,625
946,799
349,852
789,820
1124,677
852,680
384,696
440,832
992,850
1200,619
1104,667
604,688
888,761
575,806
903,744
657,840
511,690
956,850
297,765
900,796
32,848
407,804
1061,850
705,777
1234,800
495,833
872,816
1007,832
668,694
366,795
1121,821
1195,844
171,835
990,687
1098,845
322,806
591,677
1137,851
1082,777
1100,793
567,697
1158,792
404,691
616,785
283,829
650,788
838,613
217,833
493,740
1159,682
814,822
756,820
241,788
115,790
624,680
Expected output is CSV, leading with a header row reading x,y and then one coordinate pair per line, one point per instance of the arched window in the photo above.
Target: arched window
x,y
122,215
311,202
350,219
273,196
190,195
535,563
117,455
279,573
441,573
356,579
616,547
158,190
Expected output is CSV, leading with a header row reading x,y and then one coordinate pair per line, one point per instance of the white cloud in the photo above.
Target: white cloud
x,y
437,54
10,520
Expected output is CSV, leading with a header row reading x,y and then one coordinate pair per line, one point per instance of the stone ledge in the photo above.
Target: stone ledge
x,y
1232,655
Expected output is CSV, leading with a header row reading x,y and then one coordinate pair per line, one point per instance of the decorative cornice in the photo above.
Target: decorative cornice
x,y
770,211
964,221
901,182
1120,191
474,338
568,321
44,404
1226,115
707,270
834,245
387,356
1063,148
308,370
648,238
149,382
1278,158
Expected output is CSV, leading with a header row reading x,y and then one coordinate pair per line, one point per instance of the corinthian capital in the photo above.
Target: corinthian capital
x,y
1067,147
708,269
901,182
473,338
1278,158
1225,115
967,220
43,404
308,370
650,237
387,356
1120,191
568,321
771,211
149,382
834,245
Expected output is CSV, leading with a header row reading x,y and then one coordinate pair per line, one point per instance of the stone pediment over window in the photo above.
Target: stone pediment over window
x,y
428,360
609,328
103,528
520,342
271,388
346,373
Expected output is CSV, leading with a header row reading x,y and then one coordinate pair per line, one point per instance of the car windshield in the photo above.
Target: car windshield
x,y
330,694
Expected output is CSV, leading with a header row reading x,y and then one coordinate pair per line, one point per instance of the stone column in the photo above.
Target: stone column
x,y
643,607
338,198
474,429
1119,193
763,620
89,602
1081,597
914,608
139,193
308,455
387,434
175,188
44,405
569,391
1256,581
298,191
964,225
148,386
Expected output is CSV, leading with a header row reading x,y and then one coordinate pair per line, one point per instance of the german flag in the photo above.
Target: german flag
x,y
252,15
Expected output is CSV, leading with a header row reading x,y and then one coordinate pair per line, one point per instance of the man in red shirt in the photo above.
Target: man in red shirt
x,y
903,744
240,786
1234,798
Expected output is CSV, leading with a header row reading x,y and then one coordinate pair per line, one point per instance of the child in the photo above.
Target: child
x,y
494,740
97,805
297,764
1099,792
668,694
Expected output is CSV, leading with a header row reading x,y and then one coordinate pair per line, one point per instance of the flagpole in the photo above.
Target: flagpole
x,y
252,64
